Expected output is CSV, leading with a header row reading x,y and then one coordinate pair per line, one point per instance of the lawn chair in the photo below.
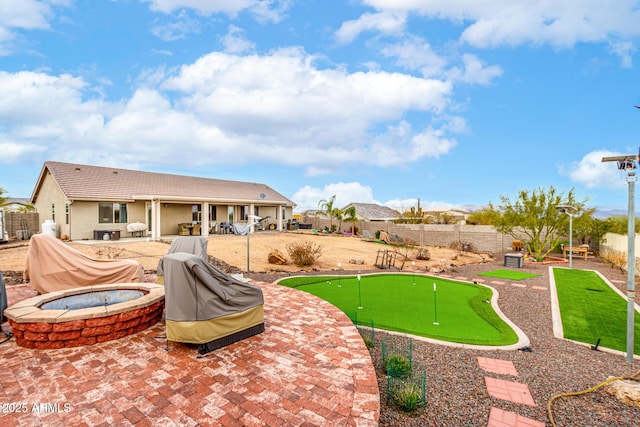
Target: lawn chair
x,y
183,230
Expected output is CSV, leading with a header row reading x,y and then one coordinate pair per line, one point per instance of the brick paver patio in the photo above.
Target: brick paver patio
x,y
310,367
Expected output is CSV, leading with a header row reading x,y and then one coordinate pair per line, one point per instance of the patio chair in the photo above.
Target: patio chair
x,y
183,230
195,231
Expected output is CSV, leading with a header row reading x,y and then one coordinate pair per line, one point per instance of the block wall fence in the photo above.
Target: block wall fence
x,y
484,237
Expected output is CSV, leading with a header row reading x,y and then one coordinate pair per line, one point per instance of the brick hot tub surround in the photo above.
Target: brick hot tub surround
x,y
34,327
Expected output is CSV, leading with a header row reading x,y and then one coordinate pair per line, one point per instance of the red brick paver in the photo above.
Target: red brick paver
x,y
509,390
497,366
309,367
501,418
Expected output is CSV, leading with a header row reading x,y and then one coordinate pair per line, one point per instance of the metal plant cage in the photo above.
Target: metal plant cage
x,y
409,393
397,358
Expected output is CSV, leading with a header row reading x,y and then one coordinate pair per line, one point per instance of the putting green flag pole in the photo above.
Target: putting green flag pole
x,y
435,307
359,294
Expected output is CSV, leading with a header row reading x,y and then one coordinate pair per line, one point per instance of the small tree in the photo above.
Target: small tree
x,y
349,214
3,200
485,216
535,215
327,209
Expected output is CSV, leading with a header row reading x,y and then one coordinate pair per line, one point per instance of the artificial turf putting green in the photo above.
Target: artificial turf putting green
x,y
591,310
405,303
508,274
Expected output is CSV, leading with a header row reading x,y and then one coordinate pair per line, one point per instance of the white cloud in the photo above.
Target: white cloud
x,y
475,72
402,205
415,53
624,50
591,172
278,108
236,42
204,7
309,197
263,10
24,15
384,22
176,30
13,152
492,23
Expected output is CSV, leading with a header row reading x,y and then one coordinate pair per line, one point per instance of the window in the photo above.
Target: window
x,y
196,213
244,213
112,213
212,212
53,212
230,212
66,212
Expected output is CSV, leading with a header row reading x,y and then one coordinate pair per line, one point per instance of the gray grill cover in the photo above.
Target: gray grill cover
x,y
196,290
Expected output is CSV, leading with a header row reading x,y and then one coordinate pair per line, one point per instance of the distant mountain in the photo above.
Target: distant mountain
x,y
606,213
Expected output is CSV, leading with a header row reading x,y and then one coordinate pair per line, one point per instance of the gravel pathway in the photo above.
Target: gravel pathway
x,y
456,390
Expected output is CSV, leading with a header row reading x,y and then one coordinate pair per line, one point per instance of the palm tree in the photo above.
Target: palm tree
x,y
327,209
350,215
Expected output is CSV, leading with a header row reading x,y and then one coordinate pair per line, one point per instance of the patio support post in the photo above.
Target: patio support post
x,y
631,265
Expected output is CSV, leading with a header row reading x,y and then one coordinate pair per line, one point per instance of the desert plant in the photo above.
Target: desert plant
x,y
397,366
616,259
423,254
461,246
304,253
407,396
368,342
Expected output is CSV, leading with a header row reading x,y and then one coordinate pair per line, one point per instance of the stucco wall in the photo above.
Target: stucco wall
x,y
484,237
49,195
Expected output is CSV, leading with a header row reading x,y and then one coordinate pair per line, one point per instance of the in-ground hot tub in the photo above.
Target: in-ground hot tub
x,y
86,315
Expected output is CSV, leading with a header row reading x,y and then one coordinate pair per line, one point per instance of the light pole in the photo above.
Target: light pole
x,y
569,210
256,220
628,163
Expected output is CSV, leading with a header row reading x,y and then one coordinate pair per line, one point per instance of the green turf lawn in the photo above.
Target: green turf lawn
x,y
590,309
395,303
508,274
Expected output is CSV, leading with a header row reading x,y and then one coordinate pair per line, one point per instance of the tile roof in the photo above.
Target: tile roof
x,y
85,182
373,211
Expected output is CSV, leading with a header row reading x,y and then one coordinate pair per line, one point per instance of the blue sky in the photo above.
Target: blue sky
x,y
454,102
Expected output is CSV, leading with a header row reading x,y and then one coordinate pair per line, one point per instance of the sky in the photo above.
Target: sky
x,y
455,103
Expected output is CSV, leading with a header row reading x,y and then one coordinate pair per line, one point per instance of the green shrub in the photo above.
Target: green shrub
x,y
368,342
408,396
397,366
304,253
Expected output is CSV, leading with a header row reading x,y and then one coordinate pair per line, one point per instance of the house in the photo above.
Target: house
x,y
446,216
15,204
86,202
374,212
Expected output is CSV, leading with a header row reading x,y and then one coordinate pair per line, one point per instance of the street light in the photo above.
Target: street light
x,y
569,210
256,220
628,163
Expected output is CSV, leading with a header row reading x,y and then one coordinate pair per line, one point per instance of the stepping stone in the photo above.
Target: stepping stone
x,y
497,366
509,390
540,288
501,418
518,285
497,282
